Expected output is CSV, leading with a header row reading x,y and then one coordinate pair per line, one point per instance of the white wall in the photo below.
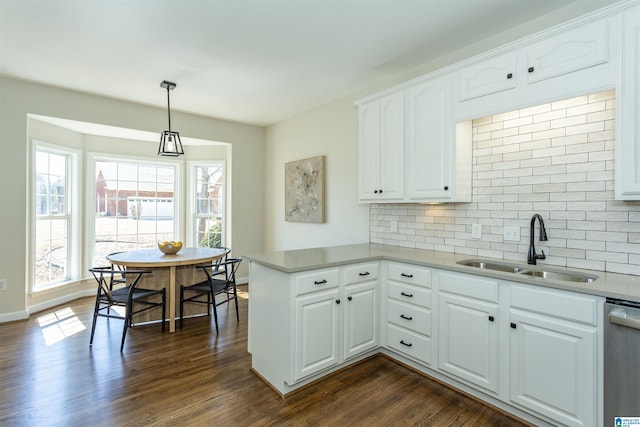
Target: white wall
x,y
19,98
332,131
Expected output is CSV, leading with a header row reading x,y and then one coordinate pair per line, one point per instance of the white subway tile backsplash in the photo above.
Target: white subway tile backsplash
x,y
554,159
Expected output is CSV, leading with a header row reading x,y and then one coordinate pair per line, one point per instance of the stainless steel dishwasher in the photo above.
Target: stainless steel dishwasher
x,y
621,360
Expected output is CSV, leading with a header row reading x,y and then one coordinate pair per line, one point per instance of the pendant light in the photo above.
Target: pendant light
x,y
170,144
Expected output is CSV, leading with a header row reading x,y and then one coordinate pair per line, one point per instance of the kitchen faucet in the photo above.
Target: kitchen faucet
x,y
533,256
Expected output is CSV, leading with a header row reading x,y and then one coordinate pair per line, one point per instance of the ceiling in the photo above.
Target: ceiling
x,y
252,61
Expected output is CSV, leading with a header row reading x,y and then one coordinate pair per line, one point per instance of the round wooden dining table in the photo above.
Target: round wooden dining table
x,y
154,259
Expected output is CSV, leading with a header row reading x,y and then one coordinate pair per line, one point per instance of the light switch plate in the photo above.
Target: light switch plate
x,y
512,234
476,231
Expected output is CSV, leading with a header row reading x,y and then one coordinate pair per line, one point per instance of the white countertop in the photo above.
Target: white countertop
x,y
612,285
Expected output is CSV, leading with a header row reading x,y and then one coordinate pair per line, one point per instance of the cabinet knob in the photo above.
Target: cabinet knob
x,y
350,298
491,318
375,191
406,317
408,344
446,187
530,69
380,191
509,75
337,301
513,325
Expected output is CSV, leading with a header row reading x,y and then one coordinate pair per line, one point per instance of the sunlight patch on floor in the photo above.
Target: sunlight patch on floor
x,y
59,325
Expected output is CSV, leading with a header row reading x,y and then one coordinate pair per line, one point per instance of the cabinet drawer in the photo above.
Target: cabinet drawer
x,y
409,343
409,316
469,286
317,280
557,303
361,273
410,294
410,274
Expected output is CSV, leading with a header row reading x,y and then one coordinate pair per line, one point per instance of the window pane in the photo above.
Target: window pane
x,y
136,210
209,209
51,238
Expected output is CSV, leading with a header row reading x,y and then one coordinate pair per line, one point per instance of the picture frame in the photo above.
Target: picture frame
x,y
304,190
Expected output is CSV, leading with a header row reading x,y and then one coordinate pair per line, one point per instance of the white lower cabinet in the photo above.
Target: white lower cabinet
x,y
360,318
345,306
468,336
553,354
536,349
316,337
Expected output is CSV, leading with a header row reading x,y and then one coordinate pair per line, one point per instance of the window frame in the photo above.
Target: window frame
x,y
73,189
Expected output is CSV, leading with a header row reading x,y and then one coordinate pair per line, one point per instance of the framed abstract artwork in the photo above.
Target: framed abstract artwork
x,y
304,190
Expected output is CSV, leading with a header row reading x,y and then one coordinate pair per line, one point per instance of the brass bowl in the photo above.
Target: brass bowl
x,y
170,248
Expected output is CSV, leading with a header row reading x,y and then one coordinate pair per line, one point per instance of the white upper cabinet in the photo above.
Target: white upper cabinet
x,y
568,52
489,76
430,153
628,127
381,149
408,152
563,64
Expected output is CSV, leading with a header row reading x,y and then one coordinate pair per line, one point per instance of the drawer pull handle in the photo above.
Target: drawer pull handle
x,y
320,282
366,273
406,295
406,275
406,317
408,344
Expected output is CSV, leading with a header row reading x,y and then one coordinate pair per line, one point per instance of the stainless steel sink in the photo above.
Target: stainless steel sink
x,y
491,266
544,274
554,275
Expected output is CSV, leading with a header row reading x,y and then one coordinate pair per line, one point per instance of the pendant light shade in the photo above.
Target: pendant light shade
x,y
170,144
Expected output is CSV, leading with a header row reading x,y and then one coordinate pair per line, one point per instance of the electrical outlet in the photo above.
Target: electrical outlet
x,y
476,231
512,234
3,284
393,226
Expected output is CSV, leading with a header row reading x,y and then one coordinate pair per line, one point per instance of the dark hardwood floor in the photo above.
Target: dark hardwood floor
x,y
49,376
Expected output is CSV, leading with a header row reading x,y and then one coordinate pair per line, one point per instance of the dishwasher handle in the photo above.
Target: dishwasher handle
x,y
620,317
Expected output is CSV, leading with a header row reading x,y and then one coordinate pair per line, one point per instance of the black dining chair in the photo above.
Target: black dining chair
x,y
133,298
212,287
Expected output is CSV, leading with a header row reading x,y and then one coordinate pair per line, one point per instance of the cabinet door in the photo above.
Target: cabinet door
x,y
490,76
553,368
381,149
628,133
316,333
571,51
360,318
468,340
429,149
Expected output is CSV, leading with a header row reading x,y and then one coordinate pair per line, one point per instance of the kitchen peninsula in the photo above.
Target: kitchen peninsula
x,y
314,311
